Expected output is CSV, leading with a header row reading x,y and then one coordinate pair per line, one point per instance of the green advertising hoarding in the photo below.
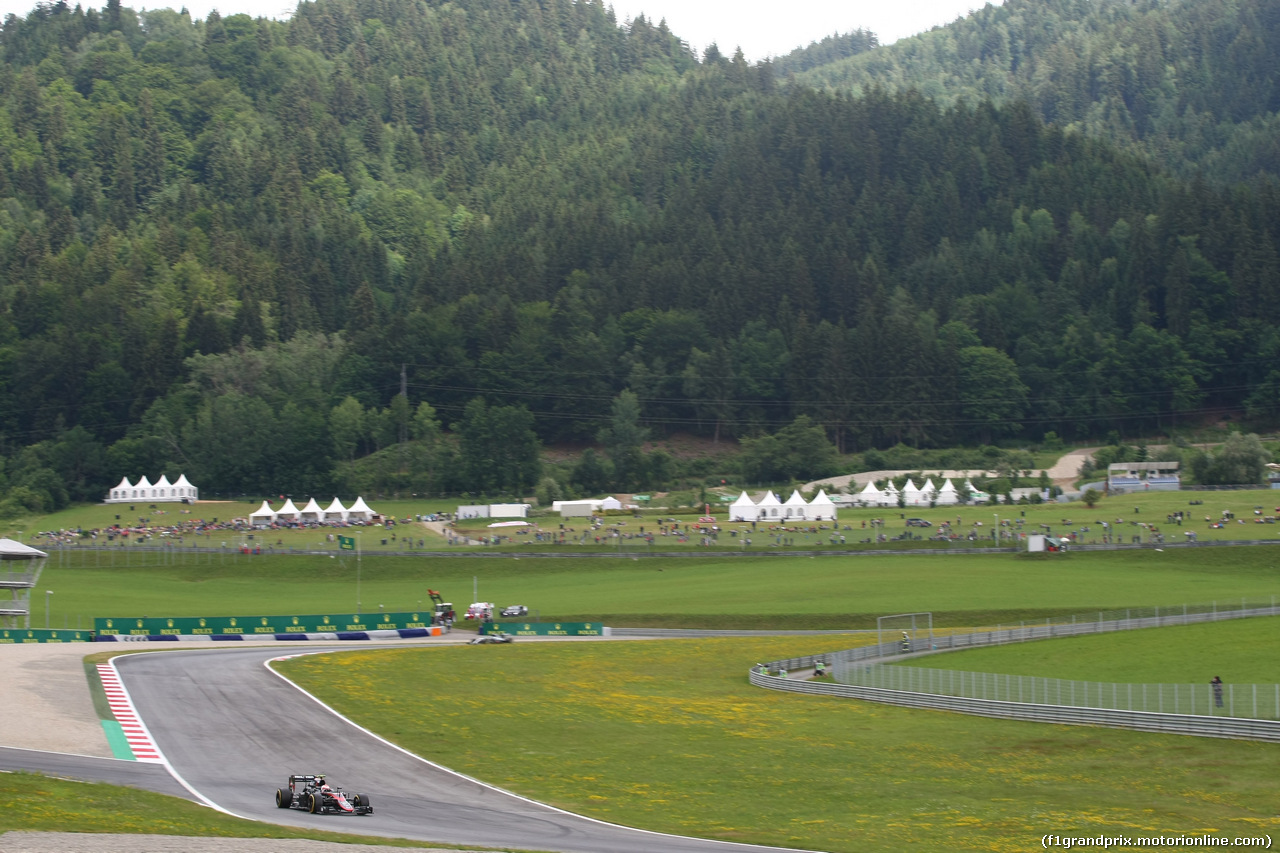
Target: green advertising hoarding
x,y
261,625
545,629
42,635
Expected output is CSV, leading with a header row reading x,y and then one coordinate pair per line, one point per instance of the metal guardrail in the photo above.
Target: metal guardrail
x,y
1239,717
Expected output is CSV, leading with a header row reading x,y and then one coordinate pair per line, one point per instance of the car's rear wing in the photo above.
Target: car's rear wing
x,y
307,778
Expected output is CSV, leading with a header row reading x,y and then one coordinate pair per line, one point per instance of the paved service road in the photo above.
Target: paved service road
x,y
234,732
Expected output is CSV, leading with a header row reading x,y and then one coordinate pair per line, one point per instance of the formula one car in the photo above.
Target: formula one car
x,y
491,639
311,793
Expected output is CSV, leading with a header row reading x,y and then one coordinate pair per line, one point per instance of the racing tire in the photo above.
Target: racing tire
x,y
362,802
316,804
284,798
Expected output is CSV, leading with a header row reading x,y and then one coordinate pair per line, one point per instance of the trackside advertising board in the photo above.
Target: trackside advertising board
x,y
250,625
545,629
42,635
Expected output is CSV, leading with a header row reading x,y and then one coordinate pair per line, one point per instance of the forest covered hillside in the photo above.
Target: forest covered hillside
x,y
444,235
1192,84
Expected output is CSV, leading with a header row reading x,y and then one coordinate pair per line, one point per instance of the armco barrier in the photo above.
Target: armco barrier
x,y
850,666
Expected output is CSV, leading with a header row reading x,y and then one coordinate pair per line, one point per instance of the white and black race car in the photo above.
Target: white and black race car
x,y
310,792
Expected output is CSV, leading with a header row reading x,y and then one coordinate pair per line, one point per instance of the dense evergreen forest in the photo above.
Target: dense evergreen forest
x,y
1190,83
407,243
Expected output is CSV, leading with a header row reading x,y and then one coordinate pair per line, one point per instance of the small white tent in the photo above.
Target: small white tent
x,y
910,494
263,515
288,512
311,513
163,489
743,509
360,511
335,512
947,495
928,492
871,495
769,508
120,492
186,491
610,502
821,508
795,506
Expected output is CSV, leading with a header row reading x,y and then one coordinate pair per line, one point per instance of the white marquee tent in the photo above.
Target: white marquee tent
x,y
335,512
743,509
162,491
795,506
872,496
947,495
769,508
263,515
821,508
311,513
360,511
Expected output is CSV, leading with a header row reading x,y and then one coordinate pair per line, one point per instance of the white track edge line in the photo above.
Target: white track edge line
x,y
164,760
267,663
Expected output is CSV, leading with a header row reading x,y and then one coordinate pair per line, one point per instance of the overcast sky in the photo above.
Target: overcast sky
x,y
760,28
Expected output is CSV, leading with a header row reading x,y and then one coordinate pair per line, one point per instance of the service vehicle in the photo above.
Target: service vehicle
x,y
311,793
481,610
444,614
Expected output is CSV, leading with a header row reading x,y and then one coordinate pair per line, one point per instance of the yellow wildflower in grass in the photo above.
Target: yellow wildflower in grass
x,y
673,738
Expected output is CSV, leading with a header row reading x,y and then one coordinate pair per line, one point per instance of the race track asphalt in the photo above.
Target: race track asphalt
x,y
233,731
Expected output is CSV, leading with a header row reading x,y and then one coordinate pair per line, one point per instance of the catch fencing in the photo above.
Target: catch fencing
x,y
1249,711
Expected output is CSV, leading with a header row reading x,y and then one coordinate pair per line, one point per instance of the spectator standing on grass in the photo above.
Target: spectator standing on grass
x,y
1216,683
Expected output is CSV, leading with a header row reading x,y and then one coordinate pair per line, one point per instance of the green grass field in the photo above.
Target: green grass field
x,y
1241,651
36,803
780,592
669,735
1154,508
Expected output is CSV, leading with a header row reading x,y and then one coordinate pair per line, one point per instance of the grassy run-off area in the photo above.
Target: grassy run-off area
x,y
36,803
1240,651
715,592
669,735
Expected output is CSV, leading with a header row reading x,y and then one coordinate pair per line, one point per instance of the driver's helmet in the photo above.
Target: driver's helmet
x,y
320,783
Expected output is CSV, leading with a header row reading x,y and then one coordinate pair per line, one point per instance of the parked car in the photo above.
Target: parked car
x,y
515,610
918,522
